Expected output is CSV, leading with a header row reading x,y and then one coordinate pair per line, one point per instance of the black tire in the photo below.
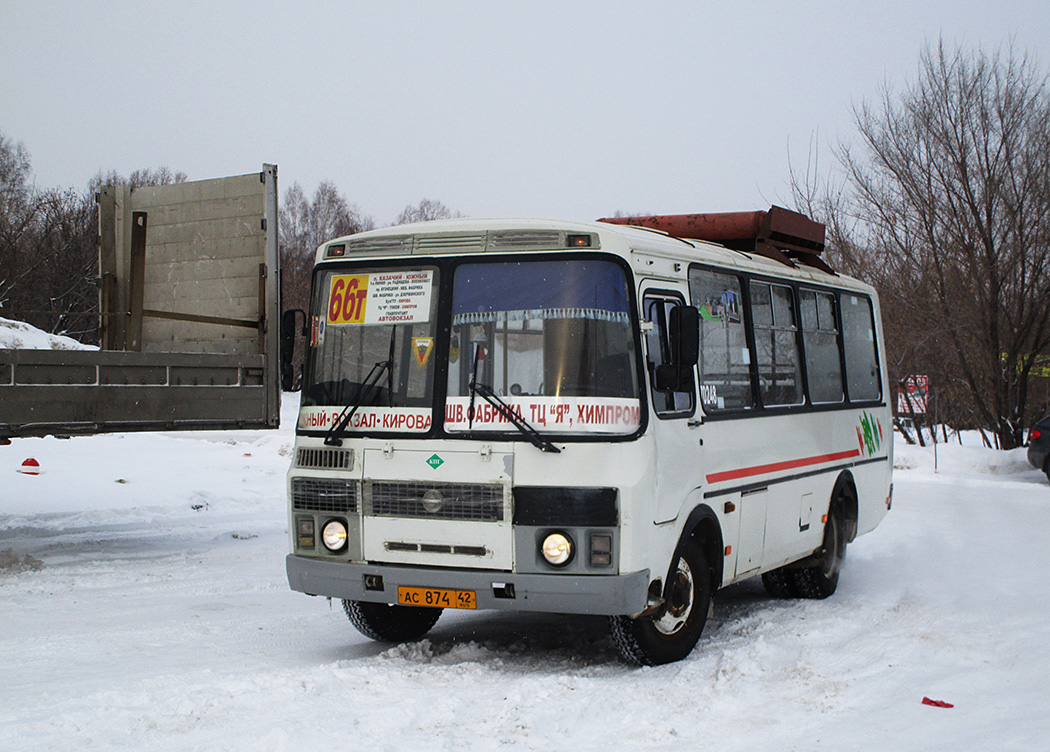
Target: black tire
x,y
670,634
820,580
776,583
386,623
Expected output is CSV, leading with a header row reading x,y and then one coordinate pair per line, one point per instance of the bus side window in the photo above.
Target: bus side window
x,y
658,347
725,361
820,339
862,361
779,371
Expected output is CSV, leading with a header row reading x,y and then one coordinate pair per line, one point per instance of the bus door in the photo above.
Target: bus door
x,y
675,428
731,446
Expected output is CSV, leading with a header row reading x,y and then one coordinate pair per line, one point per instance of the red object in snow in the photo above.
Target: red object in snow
x,y
936,703
30,467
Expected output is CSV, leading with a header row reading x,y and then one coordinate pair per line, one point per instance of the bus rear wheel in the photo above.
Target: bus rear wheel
x,y
822,578
776,583
386,623
671,633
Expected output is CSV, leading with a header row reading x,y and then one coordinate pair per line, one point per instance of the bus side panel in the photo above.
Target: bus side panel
x,y
784,468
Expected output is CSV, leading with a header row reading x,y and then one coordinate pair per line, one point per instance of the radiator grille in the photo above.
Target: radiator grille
x,y
325,459
324,495
443,501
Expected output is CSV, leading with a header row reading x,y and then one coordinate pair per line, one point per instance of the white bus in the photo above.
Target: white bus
x,y
584,418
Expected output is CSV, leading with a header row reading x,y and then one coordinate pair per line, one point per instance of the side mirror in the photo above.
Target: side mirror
x,y
683,335
684,331
289,333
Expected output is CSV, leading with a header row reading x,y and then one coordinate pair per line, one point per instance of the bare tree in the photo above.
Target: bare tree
x,y
17,214
945,206
137,179
304,225
48,245
47,250
425,211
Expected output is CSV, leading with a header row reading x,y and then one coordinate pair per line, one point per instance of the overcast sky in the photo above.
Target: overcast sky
x,y
556,109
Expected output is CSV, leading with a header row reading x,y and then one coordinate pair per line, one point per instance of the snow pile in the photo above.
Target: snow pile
x,y
964,455
161,617
16,335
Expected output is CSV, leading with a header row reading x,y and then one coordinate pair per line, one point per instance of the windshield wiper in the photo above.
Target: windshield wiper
x,y
520,423
473,386
364,393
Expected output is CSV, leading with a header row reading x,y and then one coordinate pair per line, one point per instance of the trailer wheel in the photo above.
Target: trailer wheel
x,y
386,623
670,634
776,583
820,580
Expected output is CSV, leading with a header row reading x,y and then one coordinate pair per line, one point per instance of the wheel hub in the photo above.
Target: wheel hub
x,y
679,601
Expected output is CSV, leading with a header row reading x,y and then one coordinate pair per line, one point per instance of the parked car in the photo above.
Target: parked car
x,y
1039,446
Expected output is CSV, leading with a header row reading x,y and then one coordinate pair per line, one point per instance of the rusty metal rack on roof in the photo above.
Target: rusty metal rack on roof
x,y
779,234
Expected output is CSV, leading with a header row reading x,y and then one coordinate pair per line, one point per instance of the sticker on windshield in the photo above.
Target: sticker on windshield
x,y
422,347
582,415
373,419
380,298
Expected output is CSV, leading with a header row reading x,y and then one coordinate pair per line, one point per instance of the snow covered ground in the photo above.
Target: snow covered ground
x,y
153,610
17,335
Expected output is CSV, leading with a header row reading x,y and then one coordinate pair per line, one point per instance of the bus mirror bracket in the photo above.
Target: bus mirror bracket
x,y
289,333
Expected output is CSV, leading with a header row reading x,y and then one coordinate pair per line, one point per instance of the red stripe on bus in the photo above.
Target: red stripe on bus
x,y
748,472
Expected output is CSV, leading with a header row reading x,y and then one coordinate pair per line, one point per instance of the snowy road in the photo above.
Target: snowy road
x,y
161,617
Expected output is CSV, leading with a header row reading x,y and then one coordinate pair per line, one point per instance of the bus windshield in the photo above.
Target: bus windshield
x,y
551,338
372,340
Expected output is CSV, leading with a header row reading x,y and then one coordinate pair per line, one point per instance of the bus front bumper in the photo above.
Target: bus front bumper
x,y
554,593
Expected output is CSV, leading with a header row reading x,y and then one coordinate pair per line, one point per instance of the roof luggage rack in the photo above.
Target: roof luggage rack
x,y
779,234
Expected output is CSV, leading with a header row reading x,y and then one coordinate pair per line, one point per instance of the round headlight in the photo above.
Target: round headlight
x,y
557,549
333,535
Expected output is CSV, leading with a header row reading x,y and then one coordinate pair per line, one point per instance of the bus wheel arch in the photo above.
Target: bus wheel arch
x,y
817,576
702,525
670,633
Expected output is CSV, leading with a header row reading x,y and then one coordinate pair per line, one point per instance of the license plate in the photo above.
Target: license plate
x,y
436,597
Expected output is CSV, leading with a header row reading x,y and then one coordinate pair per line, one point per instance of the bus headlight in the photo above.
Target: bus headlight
x,y
333,535
557,549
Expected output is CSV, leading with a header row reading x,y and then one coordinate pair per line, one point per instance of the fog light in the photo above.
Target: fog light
x,y
433,501
333,535
557,549
601,550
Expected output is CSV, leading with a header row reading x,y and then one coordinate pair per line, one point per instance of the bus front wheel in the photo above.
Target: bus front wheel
x,y
671,633
387,623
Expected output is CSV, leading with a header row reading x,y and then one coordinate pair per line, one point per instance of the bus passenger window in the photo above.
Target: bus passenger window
x,y
862,363
779,374
820,339
725,362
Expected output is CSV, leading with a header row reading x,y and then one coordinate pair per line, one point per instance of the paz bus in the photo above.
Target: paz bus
x,y
615,418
